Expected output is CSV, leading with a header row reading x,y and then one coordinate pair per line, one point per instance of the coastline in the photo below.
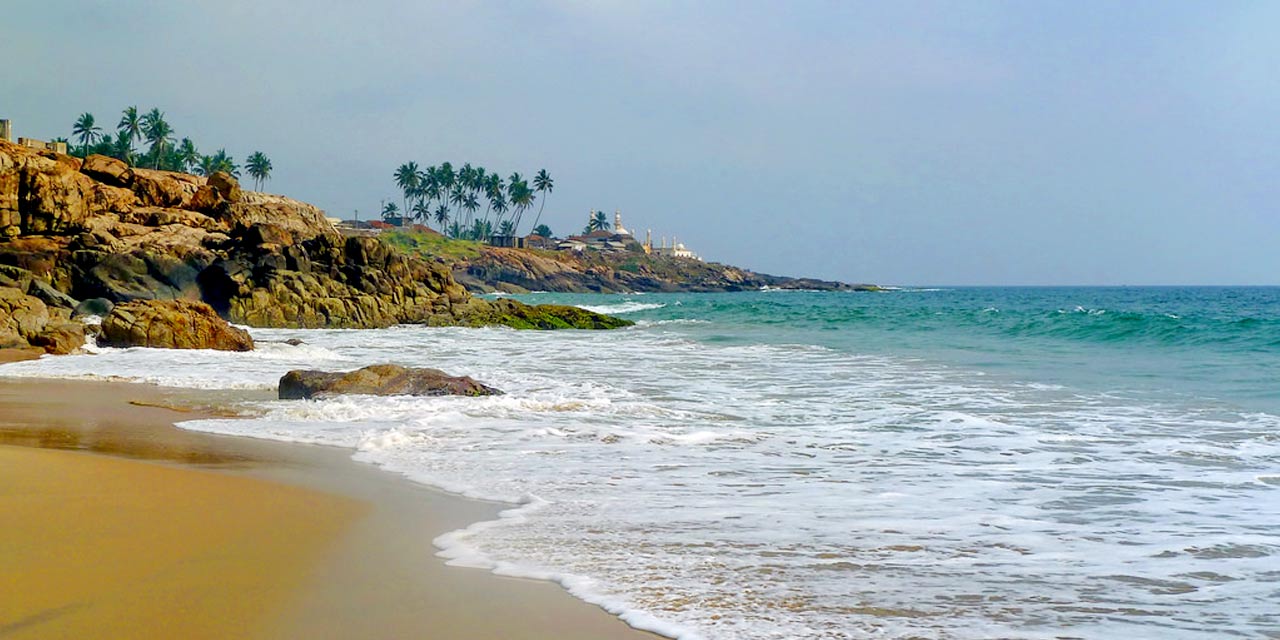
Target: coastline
x,y
358,561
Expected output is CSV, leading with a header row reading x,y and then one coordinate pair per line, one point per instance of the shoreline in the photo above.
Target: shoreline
x,y
373,572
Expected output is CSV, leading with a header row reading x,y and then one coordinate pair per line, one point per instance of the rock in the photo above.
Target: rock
x,y
22,317
93,307
155,188
511,313
60,337
379,380
49,295
303,221
105,169
225,186
172,324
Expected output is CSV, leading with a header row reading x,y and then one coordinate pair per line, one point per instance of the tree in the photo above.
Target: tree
x,y
599,222
130,125
390,212
544,185
421,211
259,167
442,215
188,156
219,161
542,230
157,132
407,180
87,131
122,147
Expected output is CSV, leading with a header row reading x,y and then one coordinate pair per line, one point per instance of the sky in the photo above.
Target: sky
x,y
1084,142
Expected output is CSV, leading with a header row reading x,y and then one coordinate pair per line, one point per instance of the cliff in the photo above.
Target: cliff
x,y
98,230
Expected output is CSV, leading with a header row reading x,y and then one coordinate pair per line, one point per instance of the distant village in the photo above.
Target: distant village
x,y
618,239
6,134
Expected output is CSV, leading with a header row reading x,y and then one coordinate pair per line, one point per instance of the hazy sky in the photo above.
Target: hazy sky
x,y
896,142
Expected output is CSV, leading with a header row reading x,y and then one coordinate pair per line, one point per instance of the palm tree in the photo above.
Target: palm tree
x,y
219,161
542,230
407,180
390,211
543,183
421,211
442,215
130,124
521,197
599,222
123,147
455,230
87,131
157,132
259,167
188,157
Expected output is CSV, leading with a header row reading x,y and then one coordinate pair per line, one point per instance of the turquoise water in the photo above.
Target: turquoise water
x,y
1217,344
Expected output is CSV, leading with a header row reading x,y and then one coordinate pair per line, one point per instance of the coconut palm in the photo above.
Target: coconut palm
x,y
122,147
87,131
157,132
130,124
543,183
259,167
390,211
421,211
187,155
407,180
219,161
542,230
599,222
442,215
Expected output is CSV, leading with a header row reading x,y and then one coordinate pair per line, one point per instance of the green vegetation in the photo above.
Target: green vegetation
x,y
432,245
542,230
598,222
452,197
162,151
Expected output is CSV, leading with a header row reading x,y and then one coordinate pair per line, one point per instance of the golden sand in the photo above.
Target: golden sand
x,y
115,524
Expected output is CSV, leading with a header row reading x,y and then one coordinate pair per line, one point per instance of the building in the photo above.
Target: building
x,y
6,134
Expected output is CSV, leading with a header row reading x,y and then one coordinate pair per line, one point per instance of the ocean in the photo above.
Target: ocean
x,y
921,463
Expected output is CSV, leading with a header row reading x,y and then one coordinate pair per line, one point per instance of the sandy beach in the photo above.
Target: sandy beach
x,y
114,523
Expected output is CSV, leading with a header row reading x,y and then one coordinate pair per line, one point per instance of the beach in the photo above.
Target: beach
x,y
114,523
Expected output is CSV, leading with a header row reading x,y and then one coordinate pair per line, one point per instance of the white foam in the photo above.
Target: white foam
x,y
622,307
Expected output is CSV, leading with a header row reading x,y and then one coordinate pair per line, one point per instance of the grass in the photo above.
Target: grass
x,y
428,245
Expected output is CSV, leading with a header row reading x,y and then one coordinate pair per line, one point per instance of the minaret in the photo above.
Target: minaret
x,y
648,240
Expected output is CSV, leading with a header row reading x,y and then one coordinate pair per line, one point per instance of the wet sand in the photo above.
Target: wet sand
x,y
114,523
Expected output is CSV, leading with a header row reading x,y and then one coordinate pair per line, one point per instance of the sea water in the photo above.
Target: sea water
x,y
931,463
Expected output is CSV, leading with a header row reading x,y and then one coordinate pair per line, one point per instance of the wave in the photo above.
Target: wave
x,y
624,307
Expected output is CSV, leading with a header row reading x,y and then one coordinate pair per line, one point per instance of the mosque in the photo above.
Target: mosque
x,y
620,238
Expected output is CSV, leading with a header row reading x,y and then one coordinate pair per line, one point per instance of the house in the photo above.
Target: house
x,y
535,241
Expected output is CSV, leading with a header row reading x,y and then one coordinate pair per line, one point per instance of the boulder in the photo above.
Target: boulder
x,y
105,169
379,380
156,188
171,324
303,221
22,317
225,186
60,337
93,307
50,296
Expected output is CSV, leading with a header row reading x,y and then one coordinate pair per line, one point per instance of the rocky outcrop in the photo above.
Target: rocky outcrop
x,y
379,380
519,271
172,324
25,320
98,230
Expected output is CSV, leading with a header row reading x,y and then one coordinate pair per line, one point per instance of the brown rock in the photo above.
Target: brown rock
x,y
156,188
105,169
171,324
22,317
226,186
380,380
303,221
60,337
